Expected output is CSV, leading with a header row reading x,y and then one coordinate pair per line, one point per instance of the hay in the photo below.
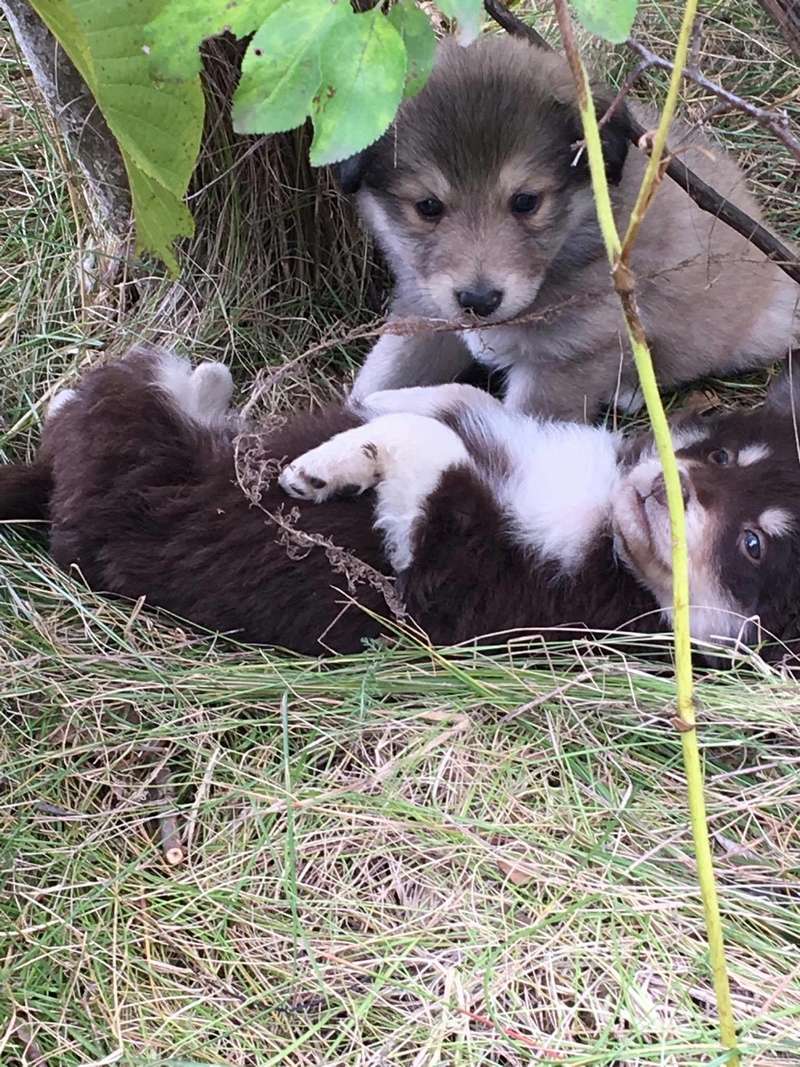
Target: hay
x,y
409,857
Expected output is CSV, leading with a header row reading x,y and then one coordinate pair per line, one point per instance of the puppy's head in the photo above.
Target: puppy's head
x,y
477,190
740,475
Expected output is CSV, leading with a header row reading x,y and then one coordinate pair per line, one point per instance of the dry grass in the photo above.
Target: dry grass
x,y
408,857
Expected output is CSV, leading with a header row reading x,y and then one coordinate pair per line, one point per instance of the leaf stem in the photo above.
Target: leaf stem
x,y
624,283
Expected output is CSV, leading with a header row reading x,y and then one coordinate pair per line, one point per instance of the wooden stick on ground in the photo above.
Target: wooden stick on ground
x,y
169,834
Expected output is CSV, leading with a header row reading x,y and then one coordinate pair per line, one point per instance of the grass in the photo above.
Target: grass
x,y
409,857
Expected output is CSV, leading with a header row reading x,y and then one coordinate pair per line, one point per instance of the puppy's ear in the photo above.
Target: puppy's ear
x,y
350,172
615,136
783,395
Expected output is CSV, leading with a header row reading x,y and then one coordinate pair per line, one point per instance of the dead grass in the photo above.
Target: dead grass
x,y
409,857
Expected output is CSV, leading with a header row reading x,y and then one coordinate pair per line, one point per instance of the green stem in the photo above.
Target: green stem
x,y
618,253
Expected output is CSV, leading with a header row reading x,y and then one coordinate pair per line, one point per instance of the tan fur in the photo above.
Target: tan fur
x,y
498,119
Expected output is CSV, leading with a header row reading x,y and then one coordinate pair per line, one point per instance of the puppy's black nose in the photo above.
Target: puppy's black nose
x,y
659,490
482,301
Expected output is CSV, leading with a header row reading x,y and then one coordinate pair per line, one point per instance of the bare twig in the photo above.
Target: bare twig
x,y
706,197
55,811
32,1055
787,15
170,836
696,44
777,123
255,472
514,25
625,88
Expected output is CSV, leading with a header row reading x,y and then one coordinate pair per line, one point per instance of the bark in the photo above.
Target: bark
x,y
72,105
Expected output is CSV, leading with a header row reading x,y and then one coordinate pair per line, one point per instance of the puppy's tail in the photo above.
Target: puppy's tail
x,y
25,490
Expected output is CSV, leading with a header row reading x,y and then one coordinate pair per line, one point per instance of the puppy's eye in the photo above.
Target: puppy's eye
x,y
430,208
720,457
524,203
752,545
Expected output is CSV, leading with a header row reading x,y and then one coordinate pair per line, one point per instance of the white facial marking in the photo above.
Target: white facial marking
x,y
776,522
682,437
751,454
713,624
393,244
403,456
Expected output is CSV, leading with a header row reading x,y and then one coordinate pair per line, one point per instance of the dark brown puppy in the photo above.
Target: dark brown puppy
x,y
137,475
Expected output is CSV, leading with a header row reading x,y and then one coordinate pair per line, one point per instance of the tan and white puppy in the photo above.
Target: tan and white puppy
x,y
482,204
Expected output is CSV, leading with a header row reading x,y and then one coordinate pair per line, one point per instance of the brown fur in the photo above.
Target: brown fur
x,y
499,118
146,503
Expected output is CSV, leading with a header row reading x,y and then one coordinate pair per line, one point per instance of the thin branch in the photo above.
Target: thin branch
x,y
32,1054
787,15
708,199
778,124
696,44
514,25
624,283
704,195
625,88
168,831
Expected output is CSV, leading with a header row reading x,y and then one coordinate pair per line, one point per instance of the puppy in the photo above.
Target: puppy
x,y
483,207
490,521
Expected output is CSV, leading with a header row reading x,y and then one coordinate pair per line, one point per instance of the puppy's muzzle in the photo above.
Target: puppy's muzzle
x,y
659,489
481,301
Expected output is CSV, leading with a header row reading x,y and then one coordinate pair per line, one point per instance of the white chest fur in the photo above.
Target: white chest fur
x,y
559,489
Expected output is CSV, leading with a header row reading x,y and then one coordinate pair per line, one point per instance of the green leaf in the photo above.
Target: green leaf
x,y
609,19
157,127
417,34
363,64
281,68
160,215
176,33
467,13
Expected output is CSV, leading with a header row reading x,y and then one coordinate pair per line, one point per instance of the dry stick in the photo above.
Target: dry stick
x,y
777,124
32,1055
167,823
704,195
787,15
624,283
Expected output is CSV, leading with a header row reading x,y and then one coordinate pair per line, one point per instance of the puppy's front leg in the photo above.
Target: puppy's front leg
x,y
572,392
402,456
431,400
421,359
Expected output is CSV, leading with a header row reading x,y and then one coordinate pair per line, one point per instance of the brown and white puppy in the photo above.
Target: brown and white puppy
x,y
490,521
484,210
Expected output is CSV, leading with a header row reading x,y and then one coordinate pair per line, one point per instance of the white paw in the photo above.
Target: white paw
x,y
173,374
211,389
340,467
62,397
202,394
